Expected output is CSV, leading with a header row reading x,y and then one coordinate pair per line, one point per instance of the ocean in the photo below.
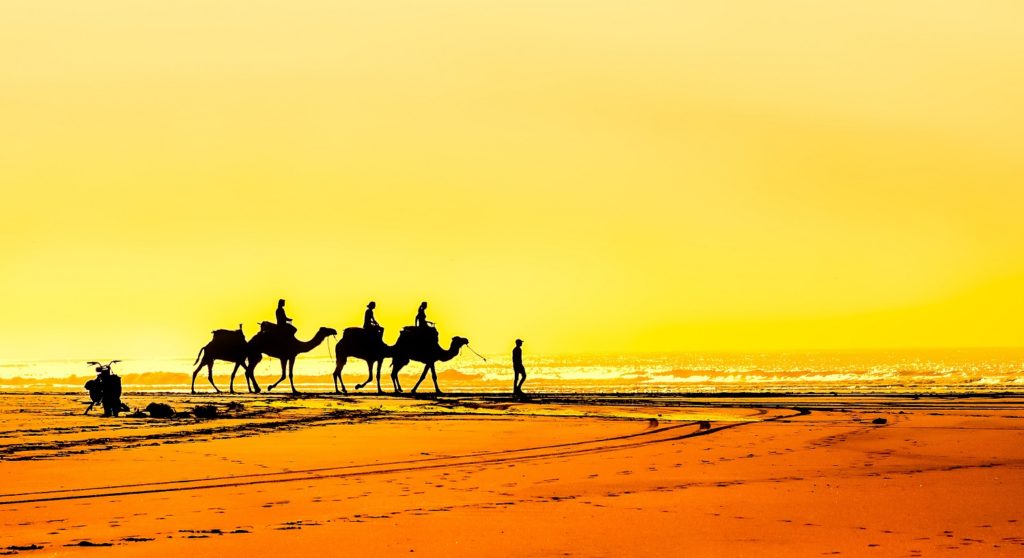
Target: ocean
x,y
877,371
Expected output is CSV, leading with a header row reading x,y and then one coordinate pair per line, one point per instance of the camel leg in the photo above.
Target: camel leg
x,y
337,375
394,378
284,374
369,377
196,373
433,376
379,364
250,373
231,386
369,373
291,375
251,377
210,376
422,376
249,385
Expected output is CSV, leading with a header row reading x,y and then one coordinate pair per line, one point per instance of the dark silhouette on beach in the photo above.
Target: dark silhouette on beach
x,y
282,319
420,344
518,369
105,389
95,389
370,322
228,345
421,317
361,343
276,341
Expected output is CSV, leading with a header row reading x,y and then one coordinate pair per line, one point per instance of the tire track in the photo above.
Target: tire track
x,y
344,467
490,458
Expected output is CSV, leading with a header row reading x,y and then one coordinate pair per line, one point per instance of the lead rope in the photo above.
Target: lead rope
x,y
476,353
329,348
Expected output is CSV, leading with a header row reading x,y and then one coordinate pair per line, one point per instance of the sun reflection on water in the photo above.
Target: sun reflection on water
x,y
820,371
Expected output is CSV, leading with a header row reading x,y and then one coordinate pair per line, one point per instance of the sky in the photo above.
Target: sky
x,y
593,177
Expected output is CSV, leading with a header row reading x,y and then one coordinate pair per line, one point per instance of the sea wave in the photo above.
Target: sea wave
x,y
850,371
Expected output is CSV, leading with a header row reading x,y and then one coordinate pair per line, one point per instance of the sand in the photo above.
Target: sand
x,y
483,475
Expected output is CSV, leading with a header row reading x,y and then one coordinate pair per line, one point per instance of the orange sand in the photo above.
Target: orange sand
x,y
587,476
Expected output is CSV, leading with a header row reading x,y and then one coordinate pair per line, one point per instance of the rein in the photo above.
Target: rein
x,y
476,353
329,347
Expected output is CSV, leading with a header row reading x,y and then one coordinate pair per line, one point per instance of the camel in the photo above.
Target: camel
x,y
227,344
282,346
420,344
362,344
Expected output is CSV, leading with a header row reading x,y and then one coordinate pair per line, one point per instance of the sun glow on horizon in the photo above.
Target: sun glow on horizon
x,y
592,177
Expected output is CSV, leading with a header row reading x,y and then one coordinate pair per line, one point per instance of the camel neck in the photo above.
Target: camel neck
x,y
306,346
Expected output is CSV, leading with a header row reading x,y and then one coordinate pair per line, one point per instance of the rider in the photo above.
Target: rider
x,y
369,322
283,321
421,317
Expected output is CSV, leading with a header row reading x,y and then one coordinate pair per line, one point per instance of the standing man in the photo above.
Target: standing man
x,y
518,369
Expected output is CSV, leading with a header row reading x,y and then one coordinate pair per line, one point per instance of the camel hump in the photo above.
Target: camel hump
x,y
278,331
418,335
228,334
361,335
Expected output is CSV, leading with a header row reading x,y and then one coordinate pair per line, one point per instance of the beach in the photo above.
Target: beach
x,y
558,475
759,265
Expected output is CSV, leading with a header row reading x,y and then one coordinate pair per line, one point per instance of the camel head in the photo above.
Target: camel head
x,y
459,342
326,332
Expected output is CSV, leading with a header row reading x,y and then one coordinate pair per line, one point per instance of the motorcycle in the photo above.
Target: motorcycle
x,y
105,381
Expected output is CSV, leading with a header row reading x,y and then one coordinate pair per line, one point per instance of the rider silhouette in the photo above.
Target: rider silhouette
x,y
370,323
283,321
421,317
282,318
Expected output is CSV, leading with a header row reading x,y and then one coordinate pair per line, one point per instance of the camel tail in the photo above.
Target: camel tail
x,y
199,356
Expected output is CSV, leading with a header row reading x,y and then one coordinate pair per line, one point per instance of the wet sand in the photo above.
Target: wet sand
x,y
483,475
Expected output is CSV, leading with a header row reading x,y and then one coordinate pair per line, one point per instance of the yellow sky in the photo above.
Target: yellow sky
x,y
590,176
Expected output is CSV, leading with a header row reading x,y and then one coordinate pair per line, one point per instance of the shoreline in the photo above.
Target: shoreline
x,y
549,395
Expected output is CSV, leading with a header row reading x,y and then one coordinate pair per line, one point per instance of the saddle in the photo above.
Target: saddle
x,y
417,334
229,334
286,331
363,335
271,327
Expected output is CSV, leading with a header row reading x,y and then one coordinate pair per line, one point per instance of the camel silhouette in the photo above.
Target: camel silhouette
x,y
420,344
363,344
227,344
273,342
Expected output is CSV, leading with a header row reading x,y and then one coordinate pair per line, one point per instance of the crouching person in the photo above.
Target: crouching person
x,y
106,390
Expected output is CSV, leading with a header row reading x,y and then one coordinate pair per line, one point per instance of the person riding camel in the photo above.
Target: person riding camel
x,y
370,323
284,323
421,317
